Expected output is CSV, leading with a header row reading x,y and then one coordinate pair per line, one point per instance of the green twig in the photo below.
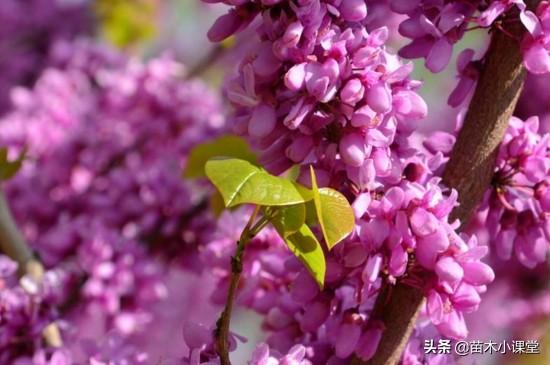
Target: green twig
x,y
223,323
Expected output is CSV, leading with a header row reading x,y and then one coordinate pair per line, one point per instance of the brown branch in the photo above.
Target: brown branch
x,y
398,308
14,246
223,323
471,167
469,171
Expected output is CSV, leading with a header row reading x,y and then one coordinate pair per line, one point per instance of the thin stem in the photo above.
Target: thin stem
x,y
223,323
14,246
208,61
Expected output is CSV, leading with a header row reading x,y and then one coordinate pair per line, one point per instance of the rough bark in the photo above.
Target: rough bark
x,y
471,166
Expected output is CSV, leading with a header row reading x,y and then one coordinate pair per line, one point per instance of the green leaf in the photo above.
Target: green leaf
x,y
334,213
316,199
311,214
9,168
308,250
217,205
224,146
289,219
240,182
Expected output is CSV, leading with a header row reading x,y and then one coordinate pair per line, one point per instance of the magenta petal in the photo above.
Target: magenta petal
x,y
352,92
266,64
428,247
394,197
453,326
304,288
225,26
379,98
461,91
260,356
375,232
363,117
423,223
464,59
372,269
478,273
293,33
418,48
352,149
505,243
487,17
447,269
295,355
466,298
537,59
404,6
411,28
434,306
353,10
368,343
295,77
361,204
299,148
398,261
346,341
439,55
262,121
440,141
196,335
378,36
531,22
315,315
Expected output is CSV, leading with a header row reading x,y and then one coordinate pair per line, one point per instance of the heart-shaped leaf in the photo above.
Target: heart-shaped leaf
x,y
224,146
333,211
240,182
308,250
289,219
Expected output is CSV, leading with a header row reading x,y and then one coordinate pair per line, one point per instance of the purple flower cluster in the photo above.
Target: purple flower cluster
x,y
27,31
26,308
107,139
319,88
435,26
516,210
514,216
322,90
100,194
412,219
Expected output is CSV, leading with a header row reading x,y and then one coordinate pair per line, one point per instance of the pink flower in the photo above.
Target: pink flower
x,y
536,44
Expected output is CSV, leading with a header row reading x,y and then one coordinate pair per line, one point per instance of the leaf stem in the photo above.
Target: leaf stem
x,y
223,323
